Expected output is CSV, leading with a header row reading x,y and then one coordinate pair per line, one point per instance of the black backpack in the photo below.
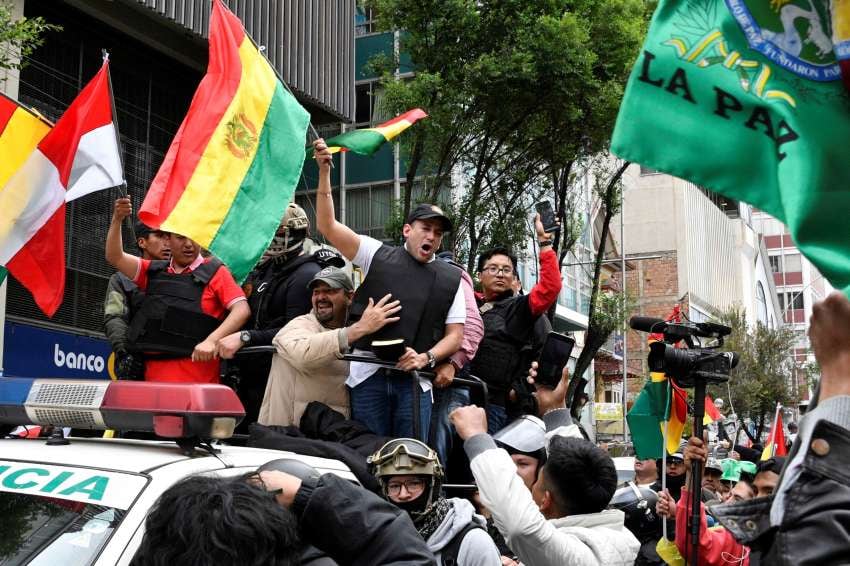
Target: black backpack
x,y
449,552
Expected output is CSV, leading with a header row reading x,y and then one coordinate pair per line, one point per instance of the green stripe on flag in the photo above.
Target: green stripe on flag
x,y
3,272
645,418
364,142
267,188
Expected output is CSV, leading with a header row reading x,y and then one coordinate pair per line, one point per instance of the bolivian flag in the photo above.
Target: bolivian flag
x,y
368,140
234,164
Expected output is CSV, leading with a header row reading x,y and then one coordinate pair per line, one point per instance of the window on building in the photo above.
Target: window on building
x,y
364,103
364,20
792,300
761,304
367,209
793,262
775,263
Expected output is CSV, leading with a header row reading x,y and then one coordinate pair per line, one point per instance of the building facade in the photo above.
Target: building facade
x,y
692,248
158,54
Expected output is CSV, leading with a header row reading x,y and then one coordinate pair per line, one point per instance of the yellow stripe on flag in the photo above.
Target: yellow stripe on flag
x,y
223,166
20,136
393,130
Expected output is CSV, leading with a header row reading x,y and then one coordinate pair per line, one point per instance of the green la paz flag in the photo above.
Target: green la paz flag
x,y
745,98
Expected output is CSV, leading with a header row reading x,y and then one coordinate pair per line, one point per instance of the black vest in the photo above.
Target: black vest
x,y
169,319
426,292
508,346
134,295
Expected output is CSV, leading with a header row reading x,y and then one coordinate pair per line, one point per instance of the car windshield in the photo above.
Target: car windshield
x,y
38,530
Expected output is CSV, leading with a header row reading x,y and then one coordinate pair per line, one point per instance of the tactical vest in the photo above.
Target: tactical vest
x,y
504,353
135,296
170,320
426,292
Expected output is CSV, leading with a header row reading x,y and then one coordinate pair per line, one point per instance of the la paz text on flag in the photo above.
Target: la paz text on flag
x,y
235,161
745,98
80,155
367,141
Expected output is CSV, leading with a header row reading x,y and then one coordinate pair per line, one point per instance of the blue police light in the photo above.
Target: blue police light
x,y
173,410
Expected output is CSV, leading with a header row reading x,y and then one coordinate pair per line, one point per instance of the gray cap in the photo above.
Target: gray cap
x,y
714,464
335,277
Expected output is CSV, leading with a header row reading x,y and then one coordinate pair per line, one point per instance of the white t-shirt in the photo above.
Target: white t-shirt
x,y
359,371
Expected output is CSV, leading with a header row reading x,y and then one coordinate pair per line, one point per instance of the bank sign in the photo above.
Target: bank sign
x,y
29,351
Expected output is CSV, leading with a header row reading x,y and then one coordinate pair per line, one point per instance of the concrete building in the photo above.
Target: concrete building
x,y
798,286
693,248
158,54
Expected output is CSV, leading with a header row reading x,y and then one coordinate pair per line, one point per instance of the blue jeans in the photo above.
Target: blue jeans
x,y
384,403
497,418
442,432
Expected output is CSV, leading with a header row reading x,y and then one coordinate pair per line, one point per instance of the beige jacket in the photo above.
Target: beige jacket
x,y
306,367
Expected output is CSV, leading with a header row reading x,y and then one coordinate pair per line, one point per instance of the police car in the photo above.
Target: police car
x,y
81,501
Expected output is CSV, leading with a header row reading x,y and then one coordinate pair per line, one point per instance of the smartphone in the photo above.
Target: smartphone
x,y
547,216
553,357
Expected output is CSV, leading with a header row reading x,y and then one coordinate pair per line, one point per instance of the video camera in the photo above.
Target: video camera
x,y
688,365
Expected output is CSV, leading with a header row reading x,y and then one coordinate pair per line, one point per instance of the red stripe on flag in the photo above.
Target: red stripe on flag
x,y
40,264
214,94
7,108
409,116
711,410
90,110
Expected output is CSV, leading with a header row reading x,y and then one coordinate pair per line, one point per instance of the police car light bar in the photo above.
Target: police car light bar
x,y
171,410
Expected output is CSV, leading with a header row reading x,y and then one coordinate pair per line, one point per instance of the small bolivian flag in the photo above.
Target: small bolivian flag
x,y
368,140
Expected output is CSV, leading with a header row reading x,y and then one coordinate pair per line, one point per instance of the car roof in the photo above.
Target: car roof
x,y
143,456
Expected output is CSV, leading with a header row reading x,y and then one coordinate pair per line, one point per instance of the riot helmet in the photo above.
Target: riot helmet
x,y
638,504
526,435
407,456
288,240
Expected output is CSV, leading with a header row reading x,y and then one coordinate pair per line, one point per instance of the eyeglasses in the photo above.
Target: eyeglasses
x,y
413,486
496,270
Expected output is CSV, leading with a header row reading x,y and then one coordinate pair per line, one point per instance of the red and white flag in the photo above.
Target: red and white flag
x,y
80,155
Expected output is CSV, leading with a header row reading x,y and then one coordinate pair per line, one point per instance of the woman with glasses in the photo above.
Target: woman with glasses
x,y
411,477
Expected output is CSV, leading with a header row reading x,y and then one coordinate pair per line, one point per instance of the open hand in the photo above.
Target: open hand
x,y
377,315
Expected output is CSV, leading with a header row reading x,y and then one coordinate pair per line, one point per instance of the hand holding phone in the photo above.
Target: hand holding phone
x,y
553,357
547,217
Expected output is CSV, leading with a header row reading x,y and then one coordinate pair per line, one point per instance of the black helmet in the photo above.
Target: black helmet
x,y
408,456
638,503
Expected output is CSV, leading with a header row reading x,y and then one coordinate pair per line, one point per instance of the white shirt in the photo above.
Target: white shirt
x,y
359,371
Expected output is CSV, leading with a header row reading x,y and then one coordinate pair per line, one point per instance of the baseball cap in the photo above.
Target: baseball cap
x,y
714,464
141,229
426,211
335,278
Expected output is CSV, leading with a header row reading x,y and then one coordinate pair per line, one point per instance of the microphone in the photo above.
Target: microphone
x,y
648,324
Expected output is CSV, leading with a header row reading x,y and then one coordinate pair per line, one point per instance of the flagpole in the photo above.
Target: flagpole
x,y
773,430
664,466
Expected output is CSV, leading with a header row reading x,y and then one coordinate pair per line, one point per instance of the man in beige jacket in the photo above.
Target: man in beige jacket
x,y
307,365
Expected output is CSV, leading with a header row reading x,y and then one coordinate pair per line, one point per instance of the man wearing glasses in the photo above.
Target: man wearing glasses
x,y
514,325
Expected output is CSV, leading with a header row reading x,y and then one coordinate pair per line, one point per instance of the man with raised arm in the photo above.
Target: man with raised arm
x,y
432,316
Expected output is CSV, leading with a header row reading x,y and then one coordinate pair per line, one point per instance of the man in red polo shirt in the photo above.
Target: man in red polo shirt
x,y
190,295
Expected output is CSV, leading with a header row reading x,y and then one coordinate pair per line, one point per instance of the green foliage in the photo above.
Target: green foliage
x,y
765,371
19,38
517,92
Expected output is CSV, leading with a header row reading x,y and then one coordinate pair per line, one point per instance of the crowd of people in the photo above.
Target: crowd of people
x,y
543,493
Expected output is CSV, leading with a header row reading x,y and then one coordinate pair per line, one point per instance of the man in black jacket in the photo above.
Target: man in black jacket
x,y
123,297
807,520
221,521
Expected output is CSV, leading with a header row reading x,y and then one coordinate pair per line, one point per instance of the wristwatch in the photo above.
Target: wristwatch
x,y
432,359
245,337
